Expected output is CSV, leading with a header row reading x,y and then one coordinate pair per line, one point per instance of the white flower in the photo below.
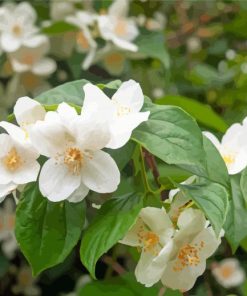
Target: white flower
x,y
84,40
194,242
27,112
117,27
18,164
17,26
233,147
228,273
7,225
76,163
152,233
31,58
122,111
59,10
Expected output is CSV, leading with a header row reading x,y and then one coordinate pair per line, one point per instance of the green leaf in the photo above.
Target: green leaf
x,y
212,199
236,222
59,28
122,155
204,114
243,184
152,44
216,168
47,232
110,225
70,92
173,136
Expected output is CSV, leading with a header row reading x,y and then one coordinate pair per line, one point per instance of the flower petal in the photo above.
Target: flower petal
x,y
44,67
213,139
101,173
9,43
79,194
131,238
6,189
14,131
130,95
56,182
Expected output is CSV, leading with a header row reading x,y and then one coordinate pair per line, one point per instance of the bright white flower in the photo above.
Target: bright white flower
x,y
18,163
122,111
31,58
7,225
84,40
117,27
233,147
76,162
194,242
17,26
228,273
27,112
152,233
59,10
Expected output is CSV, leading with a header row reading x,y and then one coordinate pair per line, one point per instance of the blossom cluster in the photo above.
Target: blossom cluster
x,y
29,53
71,143
174,244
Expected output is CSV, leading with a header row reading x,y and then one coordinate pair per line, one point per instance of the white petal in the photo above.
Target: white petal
x,y
96,102
131,238
37,41
130,95
150,267
213,139
79,194
231,136
56,182
121,129
124,44
49,138
158,222
240,162
27,173
66,113
14,131
28,111
101,173
6,189
45,66
9,43
18,66
119,8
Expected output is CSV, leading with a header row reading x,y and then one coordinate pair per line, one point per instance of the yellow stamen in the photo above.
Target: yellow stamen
x,y
228,159
13,161
17,30
74,160
121,28
82,40
226,271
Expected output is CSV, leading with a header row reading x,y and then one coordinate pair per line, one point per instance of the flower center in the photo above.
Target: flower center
x,y
121,28
28,59
228,158
188,256
149,240
74,160
226,271
12,160
17,30
115,58
82,40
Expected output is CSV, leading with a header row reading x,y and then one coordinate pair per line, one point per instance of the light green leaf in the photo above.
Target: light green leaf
x,y
236,222
110,225
47,232
70,92
243,184
212,199
59,28
173,136
152,44
204,114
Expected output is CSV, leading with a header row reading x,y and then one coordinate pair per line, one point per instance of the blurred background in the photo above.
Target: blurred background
x,y
188,53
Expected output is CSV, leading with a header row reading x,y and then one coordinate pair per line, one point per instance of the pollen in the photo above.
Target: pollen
x,y
228,159
12,160
74,160
149,240
188,256
82,41
17,30
226,271
121,28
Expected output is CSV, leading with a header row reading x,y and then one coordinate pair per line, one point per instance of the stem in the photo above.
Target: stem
x,y
143,173
114,265
150,160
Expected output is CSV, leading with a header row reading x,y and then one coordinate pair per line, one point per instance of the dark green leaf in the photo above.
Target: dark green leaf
x,y
46,231
243,184
59,28
212,199
204,114
110,225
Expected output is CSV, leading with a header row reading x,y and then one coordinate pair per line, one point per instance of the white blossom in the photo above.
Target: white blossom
x,y
122,111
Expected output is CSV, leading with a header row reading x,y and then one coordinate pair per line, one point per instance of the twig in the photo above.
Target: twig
x,y
114,265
